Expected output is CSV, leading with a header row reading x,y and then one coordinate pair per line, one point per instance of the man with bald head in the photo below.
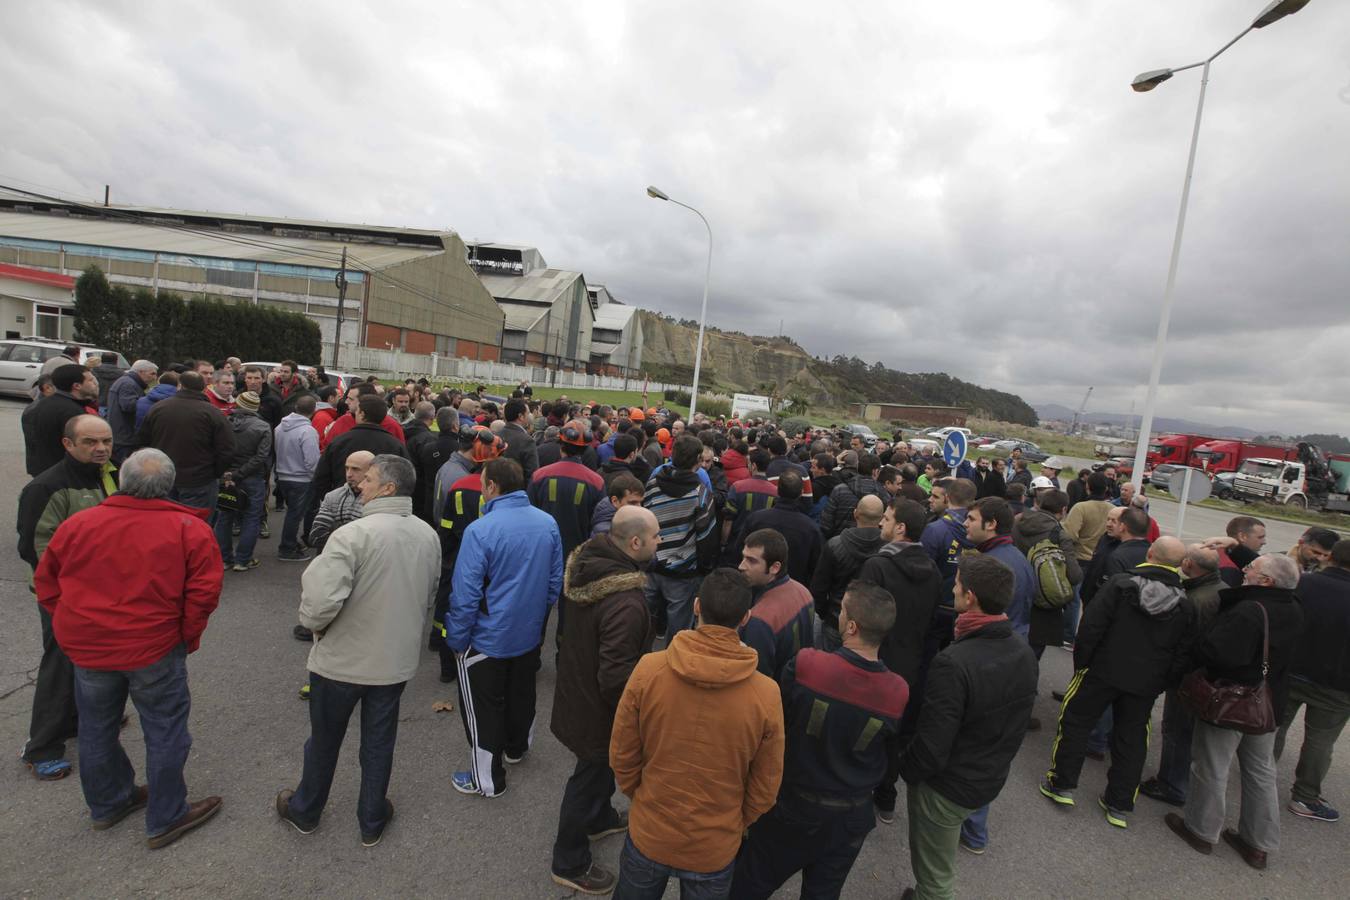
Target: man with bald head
x,y
1131,645
840,562
1200,578
81,480
606,629
338,507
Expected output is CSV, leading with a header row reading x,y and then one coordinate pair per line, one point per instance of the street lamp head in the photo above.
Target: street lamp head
x,y
1277,11
1149,80
656,193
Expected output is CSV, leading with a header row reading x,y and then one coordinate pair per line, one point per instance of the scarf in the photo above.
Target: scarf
x,y
973,620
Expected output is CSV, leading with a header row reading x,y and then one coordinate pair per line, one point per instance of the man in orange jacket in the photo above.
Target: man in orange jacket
x,y
698,745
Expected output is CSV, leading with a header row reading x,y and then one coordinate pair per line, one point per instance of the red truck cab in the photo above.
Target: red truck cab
x,y
1173,448
1226,456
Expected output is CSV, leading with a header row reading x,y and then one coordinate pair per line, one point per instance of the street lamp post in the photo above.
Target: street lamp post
x,y
657,194
1147,82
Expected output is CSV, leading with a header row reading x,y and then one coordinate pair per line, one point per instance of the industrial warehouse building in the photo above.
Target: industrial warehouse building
x,y
548,312
407,289
616,337
913,414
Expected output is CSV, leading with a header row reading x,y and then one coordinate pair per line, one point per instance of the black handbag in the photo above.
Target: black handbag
x,y
1240,707
231,499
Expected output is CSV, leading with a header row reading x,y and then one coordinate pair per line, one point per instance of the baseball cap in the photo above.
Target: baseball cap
x,y
576,433
1040,481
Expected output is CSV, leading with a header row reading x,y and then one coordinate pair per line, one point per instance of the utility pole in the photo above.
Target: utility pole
x,y
341,281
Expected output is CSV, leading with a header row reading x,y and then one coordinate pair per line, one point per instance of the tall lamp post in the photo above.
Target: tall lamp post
x,y
1147,82
658,194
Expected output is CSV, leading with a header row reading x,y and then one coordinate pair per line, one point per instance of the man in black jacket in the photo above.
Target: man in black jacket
x,y
840,562
839,507
1232,650
431,455
196,436
608,628
1133,547
912,579
977,704
838,710
1319,678
1131,645
786,517
366,434
76,389
246,476
81,480
516,433
417,435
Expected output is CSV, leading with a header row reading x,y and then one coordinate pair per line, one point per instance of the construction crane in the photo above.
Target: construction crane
x,y
1082,408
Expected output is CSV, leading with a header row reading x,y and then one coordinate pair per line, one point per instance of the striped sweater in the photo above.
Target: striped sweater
x,y
686,512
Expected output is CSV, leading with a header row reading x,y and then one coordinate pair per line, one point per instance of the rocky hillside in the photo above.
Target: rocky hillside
x,y
738,362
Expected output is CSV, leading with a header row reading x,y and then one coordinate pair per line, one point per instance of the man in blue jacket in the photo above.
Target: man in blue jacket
x,y
945,540
508,573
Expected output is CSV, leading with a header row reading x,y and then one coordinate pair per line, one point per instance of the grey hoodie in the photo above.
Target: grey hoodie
x,y
1035,526
297,446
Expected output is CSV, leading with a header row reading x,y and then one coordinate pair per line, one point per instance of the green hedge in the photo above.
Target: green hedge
x,y
166,328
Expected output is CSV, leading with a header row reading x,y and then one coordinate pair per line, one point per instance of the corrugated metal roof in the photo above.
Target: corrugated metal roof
x,y
523,316
614,315
545,287
201,241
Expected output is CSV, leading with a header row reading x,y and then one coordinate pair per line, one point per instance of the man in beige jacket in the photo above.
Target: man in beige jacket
x,y
366,599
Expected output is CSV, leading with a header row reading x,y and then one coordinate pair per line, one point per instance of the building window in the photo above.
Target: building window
x,y
47,322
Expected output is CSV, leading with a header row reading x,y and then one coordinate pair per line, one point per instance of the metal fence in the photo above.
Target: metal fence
x,y
392,364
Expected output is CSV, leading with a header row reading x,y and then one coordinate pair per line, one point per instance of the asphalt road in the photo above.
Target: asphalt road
x,y
249,726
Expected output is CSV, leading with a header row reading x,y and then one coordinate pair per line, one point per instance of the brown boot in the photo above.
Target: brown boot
x,y
1178,826
1253,857
197,814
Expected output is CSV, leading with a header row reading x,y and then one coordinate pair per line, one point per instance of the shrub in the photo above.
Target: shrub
x,y
165,328
795,425
713,407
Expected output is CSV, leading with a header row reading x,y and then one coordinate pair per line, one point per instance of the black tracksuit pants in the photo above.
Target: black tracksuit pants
x,y
1085,699
54,717
497,701
821,842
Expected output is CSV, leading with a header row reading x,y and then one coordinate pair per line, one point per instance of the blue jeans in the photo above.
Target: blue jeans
x,y
1174,765
1072,610
200,496
159,692
975,829
1099,741
331,704
641,878
295,494
677,595
255,489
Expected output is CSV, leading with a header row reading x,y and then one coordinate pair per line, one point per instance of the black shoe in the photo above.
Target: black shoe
x,y
1161,792
1057,696
449,677
1098,755
619,827
294,556
370,840
301,633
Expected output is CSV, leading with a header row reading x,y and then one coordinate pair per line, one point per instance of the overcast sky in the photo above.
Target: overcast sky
x,y
971,189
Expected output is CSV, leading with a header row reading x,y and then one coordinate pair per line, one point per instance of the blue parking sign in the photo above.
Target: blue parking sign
x,y
954,449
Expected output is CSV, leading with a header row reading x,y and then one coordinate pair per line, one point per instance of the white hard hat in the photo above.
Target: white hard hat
x,y
1053,462
1040,481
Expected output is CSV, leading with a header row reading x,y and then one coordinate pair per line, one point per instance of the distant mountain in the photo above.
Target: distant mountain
x,y
1063,413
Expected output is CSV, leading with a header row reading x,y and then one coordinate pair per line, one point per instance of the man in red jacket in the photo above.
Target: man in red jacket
x,y
127,613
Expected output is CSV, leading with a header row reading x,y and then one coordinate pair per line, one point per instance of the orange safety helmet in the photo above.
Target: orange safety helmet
x,y
486,445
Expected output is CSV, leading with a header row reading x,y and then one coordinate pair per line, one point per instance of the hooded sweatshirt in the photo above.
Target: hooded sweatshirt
x,y
297,447
839,564
685,510
698,746
1046,625
912,578
1137,632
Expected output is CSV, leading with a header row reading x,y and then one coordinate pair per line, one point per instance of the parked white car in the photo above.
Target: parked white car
x,y
941,433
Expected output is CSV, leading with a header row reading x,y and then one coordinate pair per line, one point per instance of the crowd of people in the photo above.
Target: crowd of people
x,y
758,634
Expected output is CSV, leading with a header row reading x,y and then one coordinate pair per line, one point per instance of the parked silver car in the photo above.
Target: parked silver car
x,y
21,362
